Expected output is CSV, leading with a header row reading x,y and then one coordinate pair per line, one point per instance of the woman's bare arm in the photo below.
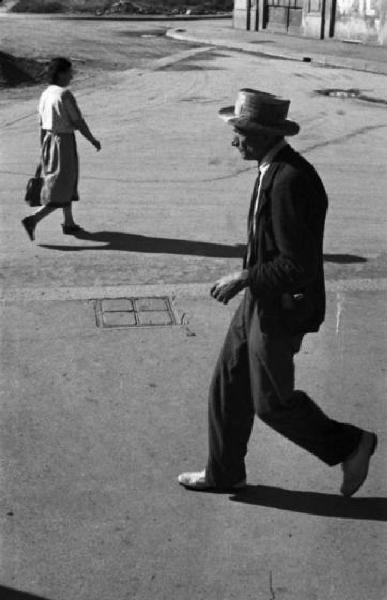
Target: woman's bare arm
x,y
83,128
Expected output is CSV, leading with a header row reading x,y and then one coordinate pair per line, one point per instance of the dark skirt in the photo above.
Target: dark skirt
x,y
59,169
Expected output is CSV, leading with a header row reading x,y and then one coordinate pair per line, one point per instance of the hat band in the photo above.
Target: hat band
x,y
261,116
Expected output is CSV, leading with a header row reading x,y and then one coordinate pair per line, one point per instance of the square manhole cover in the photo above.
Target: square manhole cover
x,y
135,312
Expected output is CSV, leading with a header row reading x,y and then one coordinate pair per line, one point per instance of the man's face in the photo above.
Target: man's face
x,y
251,147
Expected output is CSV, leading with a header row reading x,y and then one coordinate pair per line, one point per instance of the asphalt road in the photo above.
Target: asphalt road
x,y
167,172
96,47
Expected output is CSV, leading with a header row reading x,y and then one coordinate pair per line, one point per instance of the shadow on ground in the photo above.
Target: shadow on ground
x,y
7,593
344,259
128,242
312,503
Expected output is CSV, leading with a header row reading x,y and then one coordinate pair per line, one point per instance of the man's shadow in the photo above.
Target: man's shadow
x,y
128,242
313,503
344,259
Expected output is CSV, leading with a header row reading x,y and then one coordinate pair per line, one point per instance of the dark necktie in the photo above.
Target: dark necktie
x,y
250,223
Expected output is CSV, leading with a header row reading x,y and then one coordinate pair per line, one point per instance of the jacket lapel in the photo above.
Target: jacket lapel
x,y
269,176
265,185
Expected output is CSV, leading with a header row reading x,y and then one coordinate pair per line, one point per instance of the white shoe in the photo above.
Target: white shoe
x,y
197,481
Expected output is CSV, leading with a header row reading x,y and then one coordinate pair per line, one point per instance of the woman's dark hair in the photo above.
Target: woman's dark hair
x,y
57,65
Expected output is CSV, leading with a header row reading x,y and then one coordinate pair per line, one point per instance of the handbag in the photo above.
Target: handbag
x,y
34,187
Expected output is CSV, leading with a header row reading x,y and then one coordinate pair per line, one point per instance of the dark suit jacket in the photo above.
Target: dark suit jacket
x,y
286,266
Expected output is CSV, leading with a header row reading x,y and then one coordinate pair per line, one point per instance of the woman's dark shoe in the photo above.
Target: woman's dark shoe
x,y
29,226
72,229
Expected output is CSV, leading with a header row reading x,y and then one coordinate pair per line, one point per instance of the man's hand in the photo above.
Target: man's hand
x,y
229,286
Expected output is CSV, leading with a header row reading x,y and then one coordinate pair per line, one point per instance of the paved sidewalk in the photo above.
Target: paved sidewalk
x,y
332,53
97,423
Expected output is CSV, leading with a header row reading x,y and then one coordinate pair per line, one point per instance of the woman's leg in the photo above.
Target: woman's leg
x,y
29,223
68,216
41,213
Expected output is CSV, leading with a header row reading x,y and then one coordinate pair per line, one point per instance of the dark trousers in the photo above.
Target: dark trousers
x,y
255,375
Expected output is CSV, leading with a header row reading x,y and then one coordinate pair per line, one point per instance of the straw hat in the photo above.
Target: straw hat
x,y
257,111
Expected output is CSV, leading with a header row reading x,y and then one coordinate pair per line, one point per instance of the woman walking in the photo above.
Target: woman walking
x,y
60,117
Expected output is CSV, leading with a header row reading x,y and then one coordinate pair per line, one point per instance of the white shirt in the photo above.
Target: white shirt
x,y
263,168
58,110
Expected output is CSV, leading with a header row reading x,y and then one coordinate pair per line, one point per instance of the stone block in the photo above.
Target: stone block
x,y
155,317
145,304
117,304
119,319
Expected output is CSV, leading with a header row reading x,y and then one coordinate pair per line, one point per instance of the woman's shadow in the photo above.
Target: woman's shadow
x,y
7,593
313,503
127,242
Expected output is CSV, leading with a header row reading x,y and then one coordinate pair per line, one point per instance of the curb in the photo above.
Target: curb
x,y
186,290
146,17
283,54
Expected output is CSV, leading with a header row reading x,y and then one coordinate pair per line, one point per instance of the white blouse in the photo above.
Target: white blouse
x,y
58,110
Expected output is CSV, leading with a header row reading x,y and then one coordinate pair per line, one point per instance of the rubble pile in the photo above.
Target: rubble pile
x,y
117,7
16,70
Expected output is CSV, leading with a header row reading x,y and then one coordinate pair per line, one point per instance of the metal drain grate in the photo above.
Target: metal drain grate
x,y
135,312
339,93
350,93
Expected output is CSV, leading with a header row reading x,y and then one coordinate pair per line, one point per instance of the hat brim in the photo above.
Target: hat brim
x,y
287,128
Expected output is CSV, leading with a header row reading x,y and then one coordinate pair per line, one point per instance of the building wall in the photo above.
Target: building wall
x,y
246,14
354,20
358,20
313,18
383,23
240,14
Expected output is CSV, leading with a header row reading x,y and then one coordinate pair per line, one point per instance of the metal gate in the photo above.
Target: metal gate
x,y
282,15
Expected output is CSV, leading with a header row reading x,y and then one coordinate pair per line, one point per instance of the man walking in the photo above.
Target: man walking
x,y
284,299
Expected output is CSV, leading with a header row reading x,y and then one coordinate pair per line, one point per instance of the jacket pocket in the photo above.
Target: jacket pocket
x,y
297,311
